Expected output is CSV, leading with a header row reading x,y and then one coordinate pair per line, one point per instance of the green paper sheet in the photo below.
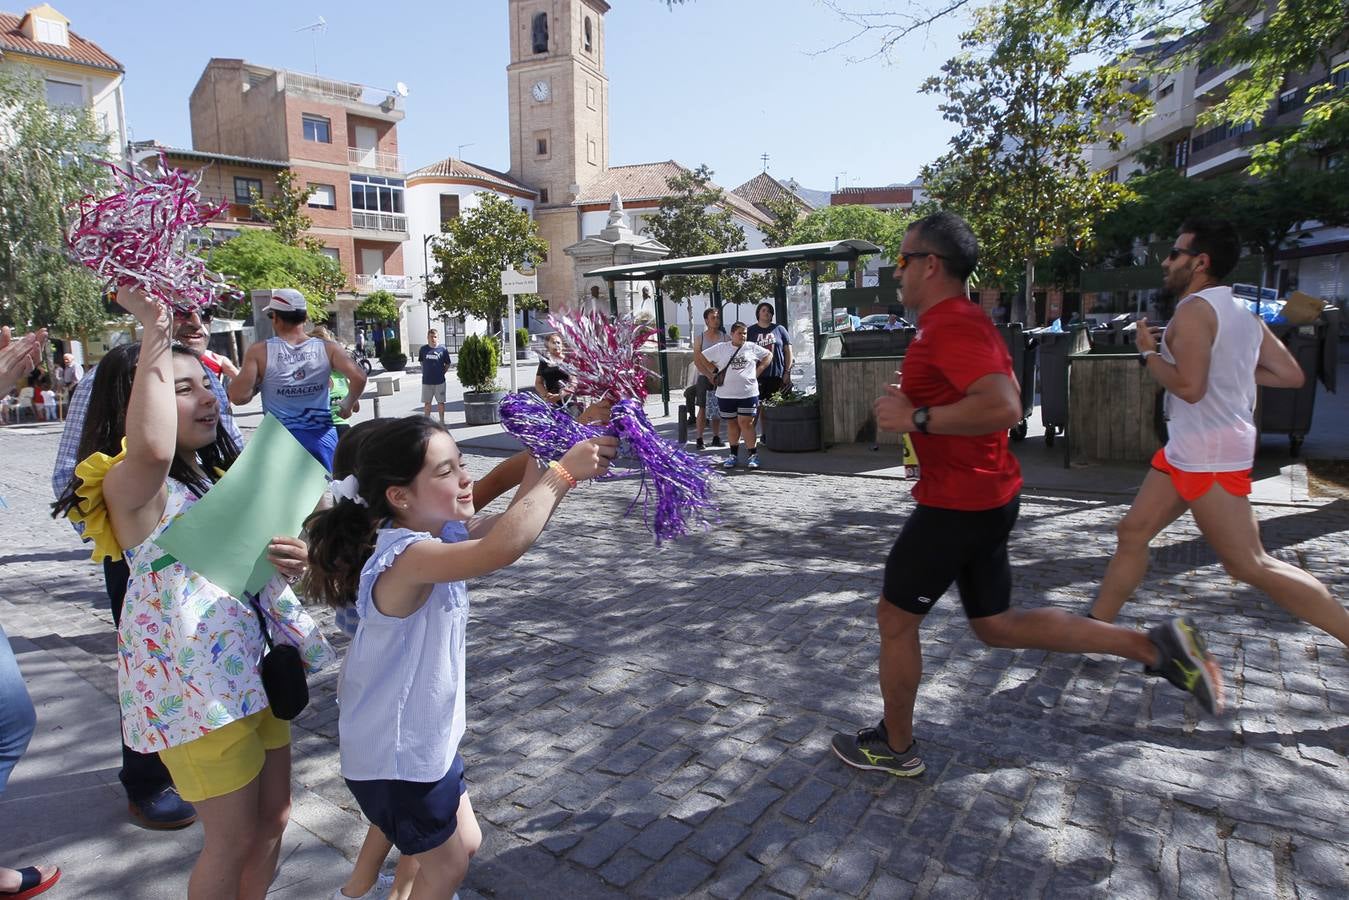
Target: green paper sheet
x,y
270,490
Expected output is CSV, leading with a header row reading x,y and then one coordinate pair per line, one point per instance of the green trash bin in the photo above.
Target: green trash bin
x,y
1289,410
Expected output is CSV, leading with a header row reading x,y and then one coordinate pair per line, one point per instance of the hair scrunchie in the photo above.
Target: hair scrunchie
x,y
347,489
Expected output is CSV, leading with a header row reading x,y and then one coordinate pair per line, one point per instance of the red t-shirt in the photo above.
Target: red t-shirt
x,y
955,346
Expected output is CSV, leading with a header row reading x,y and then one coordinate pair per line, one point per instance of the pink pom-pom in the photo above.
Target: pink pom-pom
x,y
605,359
143,235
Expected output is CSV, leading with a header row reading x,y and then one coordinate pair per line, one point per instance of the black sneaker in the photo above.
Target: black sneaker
x,y
716,440
700,444
1186,662
867,749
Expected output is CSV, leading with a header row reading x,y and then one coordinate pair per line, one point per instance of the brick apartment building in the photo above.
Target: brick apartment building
x,y
340,139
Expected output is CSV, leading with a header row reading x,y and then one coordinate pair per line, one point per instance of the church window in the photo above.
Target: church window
x,y
539,33
592,151
543,195
589,43
541,144
590,96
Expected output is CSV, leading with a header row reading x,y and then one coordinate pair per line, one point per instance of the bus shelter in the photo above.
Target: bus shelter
x,y
777,259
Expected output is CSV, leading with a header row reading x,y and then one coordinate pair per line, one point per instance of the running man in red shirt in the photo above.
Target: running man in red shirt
x,y
958,398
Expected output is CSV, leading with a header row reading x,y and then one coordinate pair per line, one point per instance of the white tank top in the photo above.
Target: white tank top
x,y
1218,433
295,386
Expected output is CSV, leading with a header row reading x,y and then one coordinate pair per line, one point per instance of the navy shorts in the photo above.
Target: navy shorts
x,y
730,407
416,816
939,546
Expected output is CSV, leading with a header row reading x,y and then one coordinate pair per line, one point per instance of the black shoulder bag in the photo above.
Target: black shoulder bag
x,y
719,376
282,671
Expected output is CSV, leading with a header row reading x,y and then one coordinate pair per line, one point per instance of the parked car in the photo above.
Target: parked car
x,y
877,321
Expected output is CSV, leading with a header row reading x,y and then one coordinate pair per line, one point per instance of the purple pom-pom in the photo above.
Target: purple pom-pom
x,y
676,486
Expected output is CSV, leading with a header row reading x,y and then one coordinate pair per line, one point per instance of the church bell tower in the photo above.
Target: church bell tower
x,y
559,119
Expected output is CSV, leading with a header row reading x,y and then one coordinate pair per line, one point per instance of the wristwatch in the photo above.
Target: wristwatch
x,y
1144,356
920,417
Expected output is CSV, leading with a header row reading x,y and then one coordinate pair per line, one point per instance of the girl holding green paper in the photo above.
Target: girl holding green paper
x,y
188,652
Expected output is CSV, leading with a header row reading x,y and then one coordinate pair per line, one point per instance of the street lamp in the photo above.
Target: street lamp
x,y
426,288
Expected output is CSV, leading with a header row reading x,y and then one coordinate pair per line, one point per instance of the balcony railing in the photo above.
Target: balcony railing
x,y
342,91
378,221
397,284
375,160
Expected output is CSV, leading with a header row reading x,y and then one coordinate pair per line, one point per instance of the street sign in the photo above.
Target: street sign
x,y
513,282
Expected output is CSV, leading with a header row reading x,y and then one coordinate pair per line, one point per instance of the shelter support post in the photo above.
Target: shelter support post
x,y
613,299
662,358
780,300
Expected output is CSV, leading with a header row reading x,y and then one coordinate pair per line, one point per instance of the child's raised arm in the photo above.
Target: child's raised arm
x,y
134,488
401,590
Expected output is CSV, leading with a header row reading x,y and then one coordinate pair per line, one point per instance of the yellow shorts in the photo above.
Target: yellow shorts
x,y
227,759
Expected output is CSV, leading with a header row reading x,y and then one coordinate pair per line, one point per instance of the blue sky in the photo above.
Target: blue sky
x,y
715,81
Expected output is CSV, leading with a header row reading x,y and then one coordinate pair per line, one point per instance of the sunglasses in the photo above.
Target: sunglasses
x,y
206,313
1177,251
903,261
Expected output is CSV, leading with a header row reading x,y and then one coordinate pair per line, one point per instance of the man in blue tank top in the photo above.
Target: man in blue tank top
x,y
291,370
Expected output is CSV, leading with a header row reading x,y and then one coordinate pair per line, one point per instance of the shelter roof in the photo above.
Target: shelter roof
x,y
767,258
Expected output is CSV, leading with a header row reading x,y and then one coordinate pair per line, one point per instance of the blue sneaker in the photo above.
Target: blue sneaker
x,y
753,461
731,461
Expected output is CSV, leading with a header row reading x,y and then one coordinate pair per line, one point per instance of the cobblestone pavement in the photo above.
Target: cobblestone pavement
x,y
654,722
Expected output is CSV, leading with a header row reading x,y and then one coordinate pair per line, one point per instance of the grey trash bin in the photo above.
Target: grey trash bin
x,y
1021,345
1289,410
1054,349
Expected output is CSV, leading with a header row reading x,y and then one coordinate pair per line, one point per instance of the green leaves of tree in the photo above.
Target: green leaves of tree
x,y
471,253
52,158
691,222
259,259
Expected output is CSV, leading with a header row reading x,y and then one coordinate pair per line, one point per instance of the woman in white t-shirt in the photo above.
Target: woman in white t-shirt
x,y
735,368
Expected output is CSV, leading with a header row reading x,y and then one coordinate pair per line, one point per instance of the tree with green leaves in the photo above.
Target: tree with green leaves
x,y
692,221
379,306
1028,110
471,253
258,260
885,228
285,212
52,158
786,215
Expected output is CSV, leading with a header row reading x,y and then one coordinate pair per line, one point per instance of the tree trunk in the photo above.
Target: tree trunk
x,y
1030,292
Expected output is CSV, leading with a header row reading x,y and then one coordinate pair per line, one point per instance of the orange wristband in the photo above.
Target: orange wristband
x,y
562,470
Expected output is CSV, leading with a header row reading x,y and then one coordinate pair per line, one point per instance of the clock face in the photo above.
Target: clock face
x,y
541,91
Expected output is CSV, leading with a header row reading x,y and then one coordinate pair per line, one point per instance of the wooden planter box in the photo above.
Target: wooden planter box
x,y
876,343
482,407
1112,409
791,429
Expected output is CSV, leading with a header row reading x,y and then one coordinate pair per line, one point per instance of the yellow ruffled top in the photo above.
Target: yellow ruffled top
x,y
91,512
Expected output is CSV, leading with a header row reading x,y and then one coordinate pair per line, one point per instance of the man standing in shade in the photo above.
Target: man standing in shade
x,y
957,400
291,370
435,359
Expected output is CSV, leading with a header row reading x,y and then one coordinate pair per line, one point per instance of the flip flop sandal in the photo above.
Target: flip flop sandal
x,y
31,884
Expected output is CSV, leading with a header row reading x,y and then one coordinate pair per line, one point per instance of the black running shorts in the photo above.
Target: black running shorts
x,y
939,546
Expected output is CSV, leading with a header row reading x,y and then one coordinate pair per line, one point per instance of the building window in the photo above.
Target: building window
x,y
47,31
63,94
589,44
449,207
1181,158
543,195
247,190
317,128
373,193
541,145
323,196
331,253
1166,91
539,33
592,151
1112,175
590,96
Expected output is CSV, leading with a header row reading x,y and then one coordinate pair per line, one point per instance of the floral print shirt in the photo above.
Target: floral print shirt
x,y
188,652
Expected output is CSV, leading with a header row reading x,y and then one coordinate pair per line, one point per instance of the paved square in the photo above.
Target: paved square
x,y
654,722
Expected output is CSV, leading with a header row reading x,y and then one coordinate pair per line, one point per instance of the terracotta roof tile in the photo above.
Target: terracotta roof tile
x,y
450,167
763,188
648,181
81,52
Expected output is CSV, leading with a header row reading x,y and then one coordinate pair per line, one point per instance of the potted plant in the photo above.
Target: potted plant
x,y
393,359
477,371
791,421
522,343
